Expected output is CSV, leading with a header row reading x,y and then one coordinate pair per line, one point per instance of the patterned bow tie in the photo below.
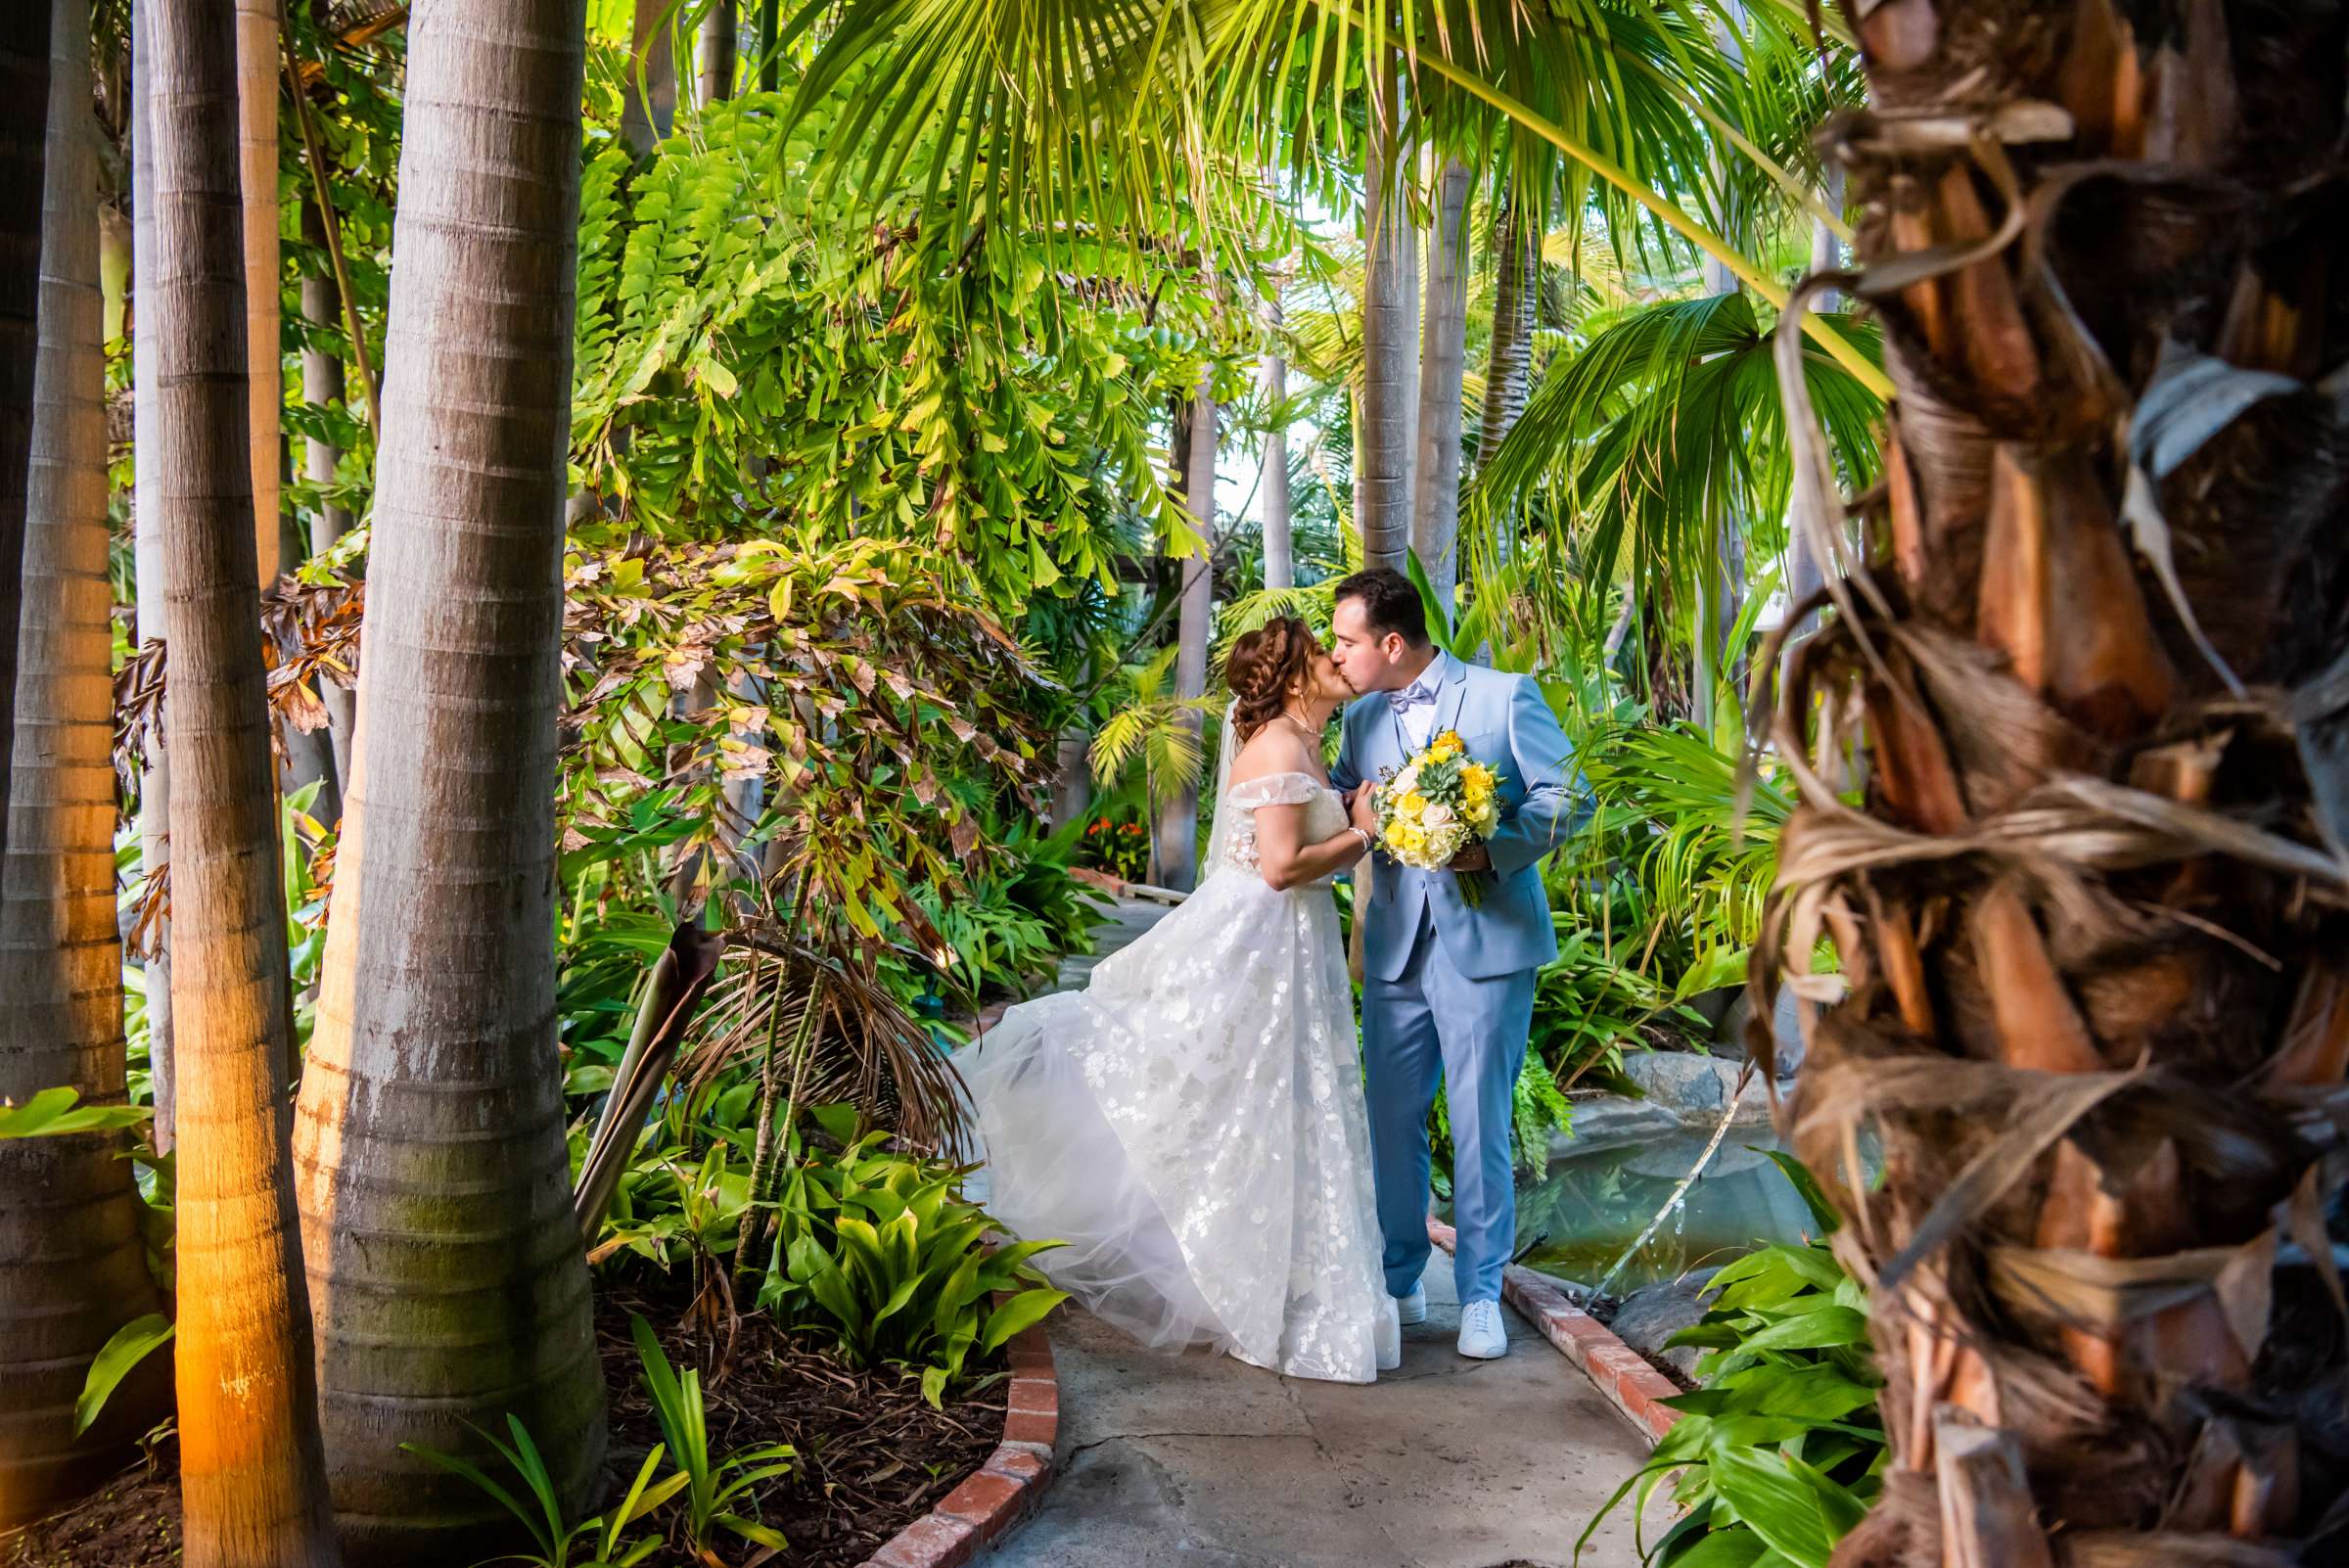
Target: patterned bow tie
x,y
1419,694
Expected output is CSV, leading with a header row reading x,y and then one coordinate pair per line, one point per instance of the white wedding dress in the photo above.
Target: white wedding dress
x,y
1191,1123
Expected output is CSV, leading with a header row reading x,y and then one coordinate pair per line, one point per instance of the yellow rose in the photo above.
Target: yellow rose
x,y
1450,738
1411,804
1476,777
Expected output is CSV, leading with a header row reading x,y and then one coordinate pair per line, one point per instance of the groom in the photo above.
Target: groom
x,y
1448,988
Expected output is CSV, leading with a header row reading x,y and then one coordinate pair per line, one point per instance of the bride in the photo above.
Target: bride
x,y
1191,1124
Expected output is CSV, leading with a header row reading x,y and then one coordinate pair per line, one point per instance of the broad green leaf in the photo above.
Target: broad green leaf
x,y
130,1345
1027,1307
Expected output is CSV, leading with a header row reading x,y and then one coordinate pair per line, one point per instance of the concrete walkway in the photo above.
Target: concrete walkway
x,y
1201,1462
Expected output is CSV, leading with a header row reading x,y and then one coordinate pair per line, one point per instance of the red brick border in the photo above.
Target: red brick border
x,y
1007,1488
1617,1370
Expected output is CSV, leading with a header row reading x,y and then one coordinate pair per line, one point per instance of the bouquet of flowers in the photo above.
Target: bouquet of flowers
x,y
1439,805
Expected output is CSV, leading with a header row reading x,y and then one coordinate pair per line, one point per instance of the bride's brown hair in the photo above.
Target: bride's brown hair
x,y
1265,669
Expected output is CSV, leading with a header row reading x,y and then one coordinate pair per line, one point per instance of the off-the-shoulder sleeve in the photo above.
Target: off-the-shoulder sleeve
x,y
1275,789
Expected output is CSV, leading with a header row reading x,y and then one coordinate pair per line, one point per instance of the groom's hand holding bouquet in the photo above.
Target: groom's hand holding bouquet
x,y
1438,811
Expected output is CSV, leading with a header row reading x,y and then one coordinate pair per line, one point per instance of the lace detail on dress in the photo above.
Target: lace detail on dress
x,y
1325,816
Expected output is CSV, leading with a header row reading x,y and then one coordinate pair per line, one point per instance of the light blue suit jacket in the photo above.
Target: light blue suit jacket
x,y
1504,723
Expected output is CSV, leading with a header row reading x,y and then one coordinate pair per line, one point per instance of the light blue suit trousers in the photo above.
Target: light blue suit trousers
x,y
1448,989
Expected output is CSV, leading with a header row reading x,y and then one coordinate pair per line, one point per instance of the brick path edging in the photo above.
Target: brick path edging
x,y
1618,1371
1007,1488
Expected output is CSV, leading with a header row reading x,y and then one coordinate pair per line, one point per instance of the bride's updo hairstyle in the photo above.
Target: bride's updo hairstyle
x,y
1265,670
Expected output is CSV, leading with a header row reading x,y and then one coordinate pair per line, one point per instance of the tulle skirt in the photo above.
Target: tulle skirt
x,y
1191,1125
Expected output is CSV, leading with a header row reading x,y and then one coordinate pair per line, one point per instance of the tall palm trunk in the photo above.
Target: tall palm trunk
x,y
323,381
72,1264
2092,912
649,100
718,53
147,519
258,64
23,136
1272,487
1443,368
1382,456
1178,819
1805,572
251,1475
1516,291
448,1279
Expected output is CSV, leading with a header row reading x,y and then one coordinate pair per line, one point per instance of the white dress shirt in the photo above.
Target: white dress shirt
x,y
1415,704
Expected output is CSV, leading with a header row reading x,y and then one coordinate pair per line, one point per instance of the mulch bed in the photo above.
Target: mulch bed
x,y
872,1457
130,1522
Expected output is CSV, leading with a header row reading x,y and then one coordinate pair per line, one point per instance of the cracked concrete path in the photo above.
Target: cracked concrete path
x,y
1201,1462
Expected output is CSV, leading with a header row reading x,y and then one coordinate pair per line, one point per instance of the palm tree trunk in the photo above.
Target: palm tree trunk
x,y
252,1474
1272,488
1443,368
72,1263
24,139
323,382
448,1279
1806,572
1382,456
718,53
146,519
647,114
258,64
1516,291
2091,911
1178,819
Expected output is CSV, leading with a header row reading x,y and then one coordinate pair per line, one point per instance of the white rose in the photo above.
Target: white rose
x,y
1406,781
1436,816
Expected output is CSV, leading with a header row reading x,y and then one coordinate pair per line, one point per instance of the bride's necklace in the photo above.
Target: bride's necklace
x,y
1304,728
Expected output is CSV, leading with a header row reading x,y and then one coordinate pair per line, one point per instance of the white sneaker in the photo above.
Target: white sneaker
x,y
1388,1337
1412,1310
1482,1335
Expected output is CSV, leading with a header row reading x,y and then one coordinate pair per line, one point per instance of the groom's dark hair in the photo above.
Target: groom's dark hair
x,y
1390,603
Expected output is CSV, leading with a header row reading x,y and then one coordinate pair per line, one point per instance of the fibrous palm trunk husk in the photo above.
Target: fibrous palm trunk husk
x,y
2090,908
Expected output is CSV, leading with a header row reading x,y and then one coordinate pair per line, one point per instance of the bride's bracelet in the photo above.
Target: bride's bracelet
x,y
1362,833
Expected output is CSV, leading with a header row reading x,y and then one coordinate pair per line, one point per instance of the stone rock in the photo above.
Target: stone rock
x,y
1785,1026
1695,1088
1603,1122
1670,1158
1653,1313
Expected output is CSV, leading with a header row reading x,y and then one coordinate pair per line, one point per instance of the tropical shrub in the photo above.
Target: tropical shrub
x,y
1782,1448
543,1516
1118,844
878,1251
713,1488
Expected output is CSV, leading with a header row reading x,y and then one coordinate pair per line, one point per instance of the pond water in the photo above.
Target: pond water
x,y
1579,1215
